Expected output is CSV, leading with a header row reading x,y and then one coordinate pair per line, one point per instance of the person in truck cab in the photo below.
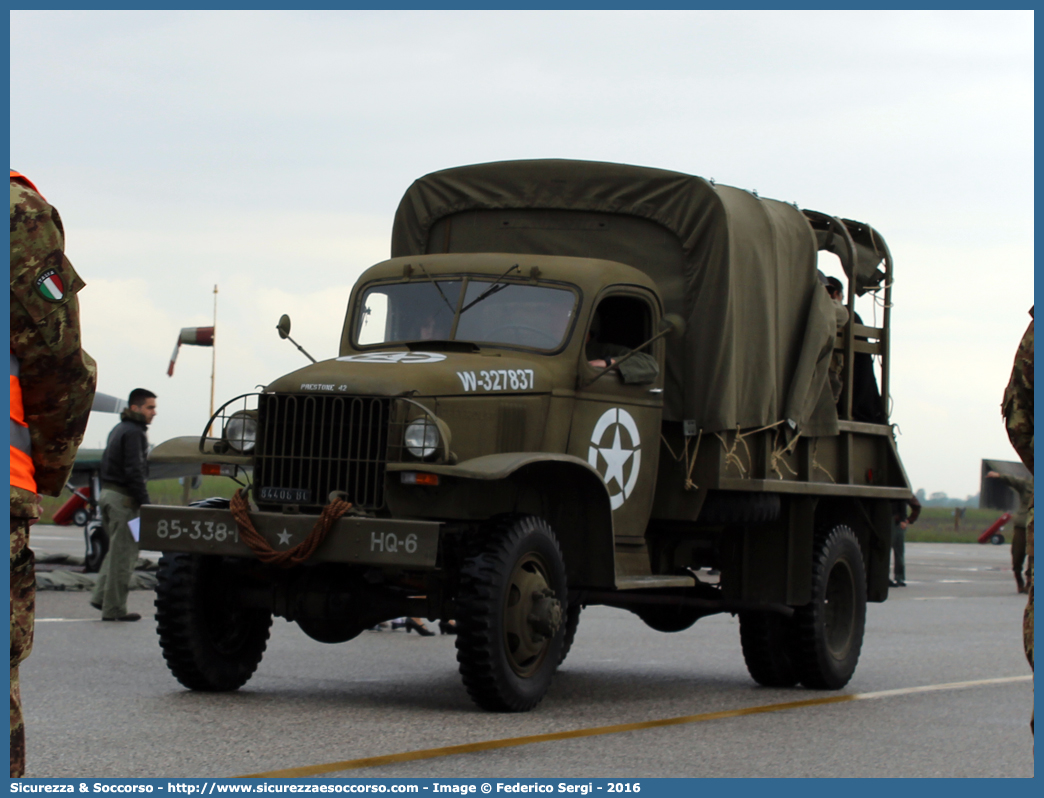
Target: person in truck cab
x,y
639,369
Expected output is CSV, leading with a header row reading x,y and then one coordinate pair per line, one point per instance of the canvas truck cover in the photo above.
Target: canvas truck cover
x,y
741,271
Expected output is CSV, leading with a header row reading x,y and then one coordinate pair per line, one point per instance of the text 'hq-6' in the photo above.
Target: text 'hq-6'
x,y
574,383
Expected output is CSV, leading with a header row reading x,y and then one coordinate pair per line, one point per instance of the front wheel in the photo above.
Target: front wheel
x,y
572,621
511,614
829,630
209,640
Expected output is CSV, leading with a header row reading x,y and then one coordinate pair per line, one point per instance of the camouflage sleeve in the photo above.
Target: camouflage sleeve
x,y
57,376
1022,485
1017,407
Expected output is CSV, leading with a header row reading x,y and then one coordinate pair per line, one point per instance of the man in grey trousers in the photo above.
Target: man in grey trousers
x,y
124,473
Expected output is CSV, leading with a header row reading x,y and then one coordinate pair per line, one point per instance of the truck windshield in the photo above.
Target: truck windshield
x,y
508,313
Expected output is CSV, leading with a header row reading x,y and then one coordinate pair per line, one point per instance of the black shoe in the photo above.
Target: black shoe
x,y
448,627
96,606
412,626
896,583
130,616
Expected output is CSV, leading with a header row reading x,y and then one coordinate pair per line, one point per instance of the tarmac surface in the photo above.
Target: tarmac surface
x,y
99,700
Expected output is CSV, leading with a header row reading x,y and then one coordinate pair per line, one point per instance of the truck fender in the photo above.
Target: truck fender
x,y
184,451
563,490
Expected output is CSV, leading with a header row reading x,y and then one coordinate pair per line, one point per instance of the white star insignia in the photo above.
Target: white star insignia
x,y
284,538
615,458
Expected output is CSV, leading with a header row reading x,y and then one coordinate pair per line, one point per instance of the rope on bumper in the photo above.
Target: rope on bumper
x,y
299,553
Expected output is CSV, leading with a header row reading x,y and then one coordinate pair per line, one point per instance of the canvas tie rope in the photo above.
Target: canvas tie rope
x,y
779,456
299,553
815,463
730,451
684,458
879,298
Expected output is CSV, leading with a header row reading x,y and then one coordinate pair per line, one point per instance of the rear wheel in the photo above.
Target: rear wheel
x,y
210,642
768,640
510,618
829,630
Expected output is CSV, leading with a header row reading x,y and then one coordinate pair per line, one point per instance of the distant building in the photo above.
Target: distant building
x,y
995,495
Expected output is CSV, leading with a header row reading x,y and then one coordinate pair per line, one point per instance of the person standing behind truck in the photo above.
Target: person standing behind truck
x,y
904,513
1024,487
124,474
52,386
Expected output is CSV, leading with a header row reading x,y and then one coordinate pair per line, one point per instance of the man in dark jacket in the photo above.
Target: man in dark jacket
x,y
124,473
904,513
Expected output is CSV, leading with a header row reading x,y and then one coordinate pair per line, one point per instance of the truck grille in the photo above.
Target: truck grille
x,y
311,446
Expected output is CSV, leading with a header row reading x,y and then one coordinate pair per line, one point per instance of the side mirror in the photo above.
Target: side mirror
x,y
284,333
284,326
673,325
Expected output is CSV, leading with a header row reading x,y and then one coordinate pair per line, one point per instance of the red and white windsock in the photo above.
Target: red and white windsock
x,y
192,336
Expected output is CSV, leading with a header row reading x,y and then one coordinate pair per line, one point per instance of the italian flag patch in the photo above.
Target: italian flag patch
x,y
50,286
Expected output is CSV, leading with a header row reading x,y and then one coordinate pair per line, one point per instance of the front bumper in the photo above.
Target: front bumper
x,y
362,541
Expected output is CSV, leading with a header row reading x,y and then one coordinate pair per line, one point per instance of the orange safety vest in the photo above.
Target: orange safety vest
x,y
23,179
22,469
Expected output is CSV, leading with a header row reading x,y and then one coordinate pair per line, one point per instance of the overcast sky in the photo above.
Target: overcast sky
x,y
266,152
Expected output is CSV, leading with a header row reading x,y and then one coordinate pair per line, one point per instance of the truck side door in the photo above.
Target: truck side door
x,y
616,424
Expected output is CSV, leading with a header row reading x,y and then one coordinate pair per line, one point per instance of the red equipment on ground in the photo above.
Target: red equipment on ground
x,y
985,536
79,500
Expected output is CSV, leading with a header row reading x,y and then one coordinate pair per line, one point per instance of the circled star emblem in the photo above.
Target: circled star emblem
x,y
616,453
394,357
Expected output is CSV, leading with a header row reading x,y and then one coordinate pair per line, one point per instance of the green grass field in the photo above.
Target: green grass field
x,y
936,526
162,491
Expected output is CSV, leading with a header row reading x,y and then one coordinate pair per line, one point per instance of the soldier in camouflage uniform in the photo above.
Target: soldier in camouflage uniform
x,y
55,379
1018,418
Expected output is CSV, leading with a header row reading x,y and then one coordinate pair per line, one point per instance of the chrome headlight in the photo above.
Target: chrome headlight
x,y
241,432
422,437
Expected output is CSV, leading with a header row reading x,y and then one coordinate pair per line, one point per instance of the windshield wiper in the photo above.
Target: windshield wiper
x,y
489,291
452,309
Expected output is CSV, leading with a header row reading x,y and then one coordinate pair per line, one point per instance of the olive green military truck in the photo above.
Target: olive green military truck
x,y
573,384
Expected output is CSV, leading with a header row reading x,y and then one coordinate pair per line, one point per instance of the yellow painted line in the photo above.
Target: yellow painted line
x,y
596,731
